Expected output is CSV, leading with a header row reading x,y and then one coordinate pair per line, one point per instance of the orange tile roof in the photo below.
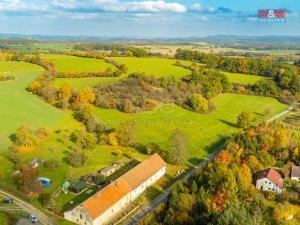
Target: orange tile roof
x,y
114,192
143,171
106,198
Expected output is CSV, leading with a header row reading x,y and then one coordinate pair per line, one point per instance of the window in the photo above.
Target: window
x,y
80,216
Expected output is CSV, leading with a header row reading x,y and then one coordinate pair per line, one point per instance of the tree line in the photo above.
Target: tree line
x,y
282,79
124,49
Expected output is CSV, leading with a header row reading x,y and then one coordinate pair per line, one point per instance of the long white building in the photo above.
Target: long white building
x,y
111,200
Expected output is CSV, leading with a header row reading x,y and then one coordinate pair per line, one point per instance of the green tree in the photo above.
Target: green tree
x,y
44,198
244,120
177,149
199,103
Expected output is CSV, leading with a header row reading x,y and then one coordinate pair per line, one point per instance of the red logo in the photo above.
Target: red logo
x,y
272,15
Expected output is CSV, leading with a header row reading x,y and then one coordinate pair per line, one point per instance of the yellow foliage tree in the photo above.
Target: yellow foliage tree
x,y
113,139
64,92
245,176
84,96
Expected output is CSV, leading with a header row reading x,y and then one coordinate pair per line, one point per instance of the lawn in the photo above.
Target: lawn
x,y
203,131
71,63
242,78
153,66
19,106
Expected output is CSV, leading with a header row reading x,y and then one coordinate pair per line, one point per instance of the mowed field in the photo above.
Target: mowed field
x,y
150,66
153,66
242,78
18,106
78,83
66,63
203,131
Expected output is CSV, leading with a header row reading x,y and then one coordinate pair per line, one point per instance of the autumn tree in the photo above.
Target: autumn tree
x,y
243,66
244,120
177,148
34,87
25,136
27,179
223,157
112,138
84,96
126,135
199,103
64,92
245,177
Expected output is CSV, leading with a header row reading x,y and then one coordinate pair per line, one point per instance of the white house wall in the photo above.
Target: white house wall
x,y
139,190
265,184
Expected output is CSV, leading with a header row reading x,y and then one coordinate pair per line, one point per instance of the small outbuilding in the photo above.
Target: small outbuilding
x,y
65,186
78,187
107,171
295,173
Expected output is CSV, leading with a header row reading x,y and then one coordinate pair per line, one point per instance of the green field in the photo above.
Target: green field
x,y
203,131
78,83
19,106
153,66
242,78
66,63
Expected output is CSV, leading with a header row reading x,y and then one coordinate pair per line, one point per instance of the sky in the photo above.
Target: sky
x,y
145,18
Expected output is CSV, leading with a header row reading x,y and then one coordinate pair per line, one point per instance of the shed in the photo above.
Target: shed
x,y
78,187
66,185
295,174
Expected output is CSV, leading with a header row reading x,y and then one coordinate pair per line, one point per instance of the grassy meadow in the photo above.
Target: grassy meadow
x,y
203,131
242,78
78,83
19,106
153,66
66,63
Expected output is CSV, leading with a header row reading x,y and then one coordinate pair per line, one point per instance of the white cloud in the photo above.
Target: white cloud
x,y
197,7
19,5
117,6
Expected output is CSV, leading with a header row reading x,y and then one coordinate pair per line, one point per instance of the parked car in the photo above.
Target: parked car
x,y
8,201
32,218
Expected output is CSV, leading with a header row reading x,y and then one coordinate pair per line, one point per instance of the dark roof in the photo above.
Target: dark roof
x,y
295,171
79,185
272,175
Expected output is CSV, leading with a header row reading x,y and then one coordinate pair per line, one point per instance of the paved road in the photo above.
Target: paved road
x,y
44,219
25,221
140,214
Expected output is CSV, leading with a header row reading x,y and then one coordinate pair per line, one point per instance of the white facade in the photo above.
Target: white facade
x,y
265,184
81,217
139,190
